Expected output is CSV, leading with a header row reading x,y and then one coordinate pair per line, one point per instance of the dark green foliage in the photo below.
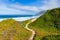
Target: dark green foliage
x,y
50,19
47,24
56,17
51,37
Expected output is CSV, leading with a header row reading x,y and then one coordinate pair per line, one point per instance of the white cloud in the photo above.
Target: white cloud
x,y
50,4
29,8
5,10
16,8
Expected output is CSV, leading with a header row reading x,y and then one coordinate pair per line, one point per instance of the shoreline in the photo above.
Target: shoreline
x,y
19,18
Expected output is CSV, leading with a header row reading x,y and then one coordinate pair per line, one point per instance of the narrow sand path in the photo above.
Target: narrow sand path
x,y
33,32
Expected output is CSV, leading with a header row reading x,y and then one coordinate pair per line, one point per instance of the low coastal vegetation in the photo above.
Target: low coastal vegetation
x,y
47,24
47,27
12,30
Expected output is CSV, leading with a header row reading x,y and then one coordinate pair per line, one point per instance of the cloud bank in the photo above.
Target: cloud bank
x,y
17,8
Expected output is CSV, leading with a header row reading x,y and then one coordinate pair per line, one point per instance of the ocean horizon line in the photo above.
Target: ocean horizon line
x,y
19,18
14,16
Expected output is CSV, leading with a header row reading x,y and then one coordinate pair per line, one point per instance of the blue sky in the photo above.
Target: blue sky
x,y
26,7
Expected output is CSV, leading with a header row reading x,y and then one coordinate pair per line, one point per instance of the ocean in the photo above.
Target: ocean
x,y
14,16
17,17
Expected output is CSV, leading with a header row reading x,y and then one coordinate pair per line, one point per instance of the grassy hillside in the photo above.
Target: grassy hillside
x,y
12,30
47,24
47,27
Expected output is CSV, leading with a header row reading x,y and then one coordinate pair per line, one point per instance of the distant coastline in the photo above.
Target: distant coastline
x,y
19,18
14,16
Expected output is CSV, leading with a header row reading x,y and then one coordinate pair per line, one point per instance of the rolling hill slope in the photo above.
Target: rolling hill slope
x,y
12,30
47,24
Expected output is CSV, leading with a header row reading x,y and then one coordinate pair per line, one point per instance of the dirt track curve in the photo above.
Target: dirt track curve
x,y
33,32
